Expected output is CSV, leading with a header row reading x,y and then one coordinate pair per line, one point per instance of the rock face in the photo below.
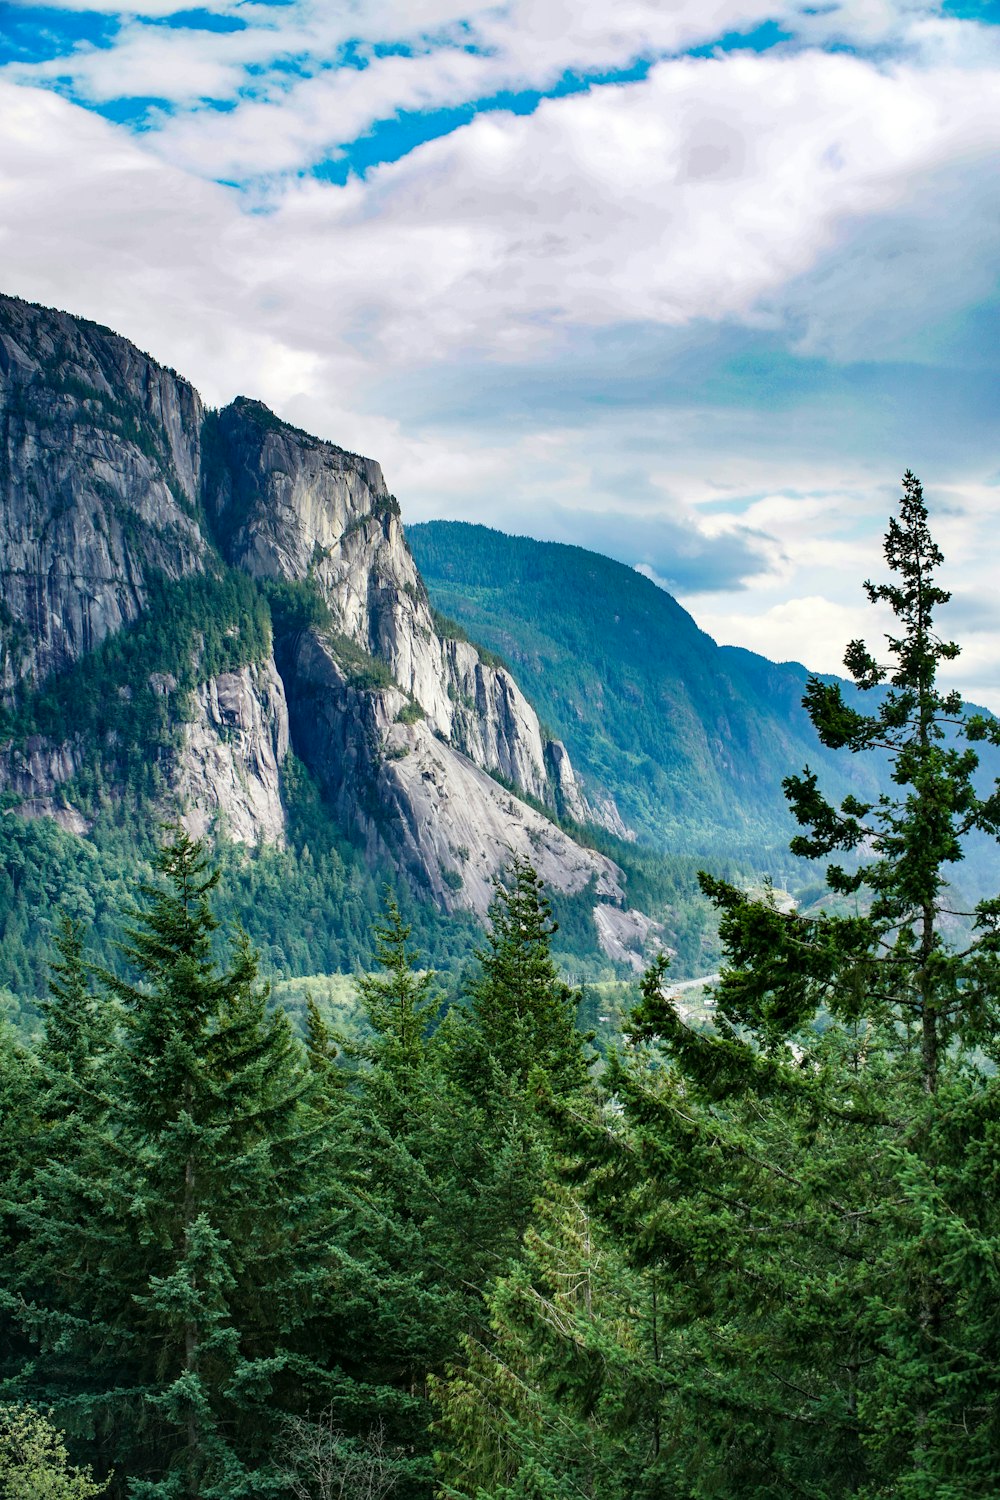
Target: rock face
x,y
287,506
33,773
227,773
629,937
493,723
113,473
462,827
445,822
99,478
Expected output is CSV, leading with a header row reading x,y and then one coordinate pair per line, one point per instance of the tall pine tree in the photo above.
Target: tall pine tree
x,y
809,1186
182,1258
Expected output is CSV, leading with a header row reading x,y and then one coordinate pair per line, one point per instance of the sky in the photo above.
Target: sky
x,y
688,282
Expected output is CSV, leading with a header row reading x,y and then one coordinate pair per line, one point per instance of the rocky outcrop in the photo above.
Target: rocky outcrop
x,y
227,775
629,937
602,811
113,474
287,506
32,775
417,799
99,476
463,827
569,798
492,721
571,802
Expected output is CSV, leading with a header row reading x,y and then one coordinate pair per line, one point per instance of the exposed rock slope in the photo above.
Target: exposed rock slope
x,y
228,769
287,506
111,474
99,478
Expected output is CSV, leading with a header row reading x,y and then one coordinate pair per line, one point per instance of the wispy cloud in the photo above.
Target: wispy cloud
x,y
689,284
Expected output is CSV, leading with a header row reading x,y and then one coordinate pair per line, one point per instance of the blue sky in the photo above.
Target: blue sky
x,y
691,284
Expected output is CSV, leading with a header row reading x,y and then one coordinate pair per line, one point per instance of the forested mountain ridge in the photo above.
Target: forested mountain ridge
x,y
690,739
190,596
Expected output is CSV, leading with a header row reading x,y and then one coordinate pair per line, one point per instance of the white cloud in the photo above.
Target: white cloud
x,y
811,629
460,53
154,9
694,195
841,205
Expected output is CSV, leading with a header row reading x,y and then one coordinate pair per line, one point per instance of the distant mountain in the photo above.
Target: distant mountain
x,y
199,608
688,739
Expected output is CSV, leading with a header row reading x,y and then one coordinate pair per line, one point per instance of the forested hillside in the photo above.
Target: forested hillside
x,y
458,1256
690,739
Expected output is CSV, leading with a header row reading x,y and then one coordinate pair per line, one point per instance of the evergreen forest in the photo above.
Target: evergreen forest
x,y
464,1253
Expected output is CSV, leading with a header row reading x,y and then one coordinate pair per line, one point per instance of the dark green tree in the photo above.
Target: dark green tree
x,y
513,1043
399,1319
808,1186
857,1217
556,1403
891,959
521,1016
399,1003
19,1085
182,1256
77,1044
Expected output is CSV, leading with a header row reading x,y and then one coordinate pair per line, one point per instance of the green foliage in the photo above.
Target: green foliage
x,y
521,1015
510,1046
296,605
399,1001
799,1201
410,713
407,1125
175,1261
365,672
126,699
689,738
560,1401
447,628
45,871
34,1462
892,960
307,907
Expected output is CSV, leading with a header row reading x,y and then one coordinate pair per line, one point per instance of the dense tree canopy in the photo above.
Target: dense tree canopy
x,y
461,1257
800,1203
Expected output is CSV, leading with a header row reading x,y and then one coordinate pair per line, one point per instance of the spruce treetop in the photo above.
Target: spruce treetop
x,y
890,959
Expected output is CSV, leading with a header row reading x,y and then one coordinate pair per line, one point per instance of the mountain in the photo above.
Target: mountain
x,y
684,740
200,607
687,741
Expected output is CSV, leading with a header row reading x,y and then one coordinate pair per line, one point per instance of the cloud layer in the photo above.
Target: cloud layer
x,y
688,285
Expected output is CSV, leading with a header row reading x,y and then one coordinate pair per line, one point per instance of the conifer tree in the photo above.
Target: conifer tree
x,y
399,1003
230,1243
406,1306
172,1292
891,960
522,1015
78,1032
811,1184
513,1048
558,1401
18,1127
58,1201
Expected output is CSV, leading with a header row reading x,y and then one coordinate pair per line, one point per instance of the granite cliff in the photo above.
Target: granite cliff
x,y
116,485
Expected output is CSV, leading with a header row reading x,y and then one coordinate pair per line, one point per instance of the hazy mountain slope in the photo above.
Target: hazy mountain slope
x,y
691,739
